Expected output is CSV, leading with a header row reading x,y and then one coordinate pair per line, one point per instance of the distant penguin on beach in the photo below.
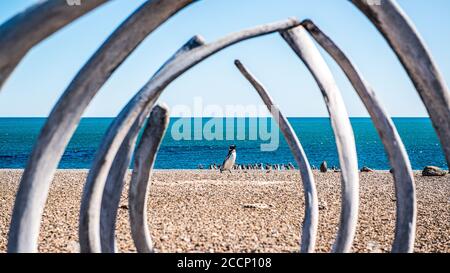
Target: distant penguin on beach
x,y
229,161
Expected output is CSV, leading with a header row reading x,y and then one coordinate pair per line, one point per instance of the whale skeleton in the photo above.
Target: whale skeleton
x,y
105,180
193,52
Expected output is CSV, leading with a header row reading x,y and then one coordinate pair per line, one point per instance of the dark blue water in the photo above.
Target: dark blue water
x,y
17,136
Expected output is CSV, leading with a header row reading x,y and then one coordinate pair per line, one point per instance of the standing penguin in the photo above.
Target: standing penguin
x,y
229,160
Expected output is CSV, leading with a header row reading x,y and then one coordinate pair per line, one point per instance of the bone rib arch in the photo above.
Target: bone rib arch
x,y
114,185
404,39
311,201
65,116
113,190
139,186
393,144
28,28
107,223
299,40
89,215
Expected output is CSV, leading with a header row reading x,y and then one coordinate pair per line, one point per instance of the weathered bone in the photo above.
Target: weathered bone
x,y
139,186
28,28
393,145
90,209
114,185
404,39
299,40
108,241
310,222
66,114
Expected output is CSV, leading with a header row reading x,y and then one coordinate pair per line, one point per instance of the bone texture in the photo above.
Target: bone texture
x,y
139,185
299,40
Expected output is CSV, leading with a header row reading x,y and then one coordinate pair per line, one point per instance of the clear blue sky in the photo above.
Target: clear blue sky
x,y
46,71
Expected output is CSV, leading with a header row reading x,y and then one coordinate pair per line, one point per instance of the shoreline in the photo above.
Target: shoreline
x,y
208,170
245,211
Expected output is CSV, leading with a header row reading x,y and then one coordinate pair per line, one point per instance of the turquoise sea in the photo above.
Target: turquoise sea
x,y
17,136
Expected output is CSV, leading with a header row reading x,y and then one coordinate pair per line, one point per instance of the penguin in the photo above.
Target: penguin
x,y
229,160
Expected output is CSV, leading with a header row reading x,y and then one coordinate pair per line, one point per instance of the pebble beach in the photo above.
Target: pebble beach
x,y
245,211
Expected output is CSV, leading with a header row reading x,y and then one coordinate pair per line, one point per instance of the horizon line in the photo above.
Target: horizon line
x,y
42,117
210,117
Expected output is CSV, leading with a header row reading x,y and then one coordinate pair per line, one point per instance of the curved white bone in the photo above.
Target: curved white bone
x,y
311,202
303,46
139,186
90,209
113,190
114,185
28,28
65,116
393,145
404,39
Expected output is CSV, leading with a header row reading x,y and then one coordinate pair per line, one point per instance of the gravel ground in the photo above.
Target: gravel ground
x,y
205,211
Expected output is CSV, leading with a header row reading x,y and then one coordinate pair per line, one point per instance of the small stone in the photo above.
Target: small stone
x,y
322,205
433,171
373,247
256,206
366,170
74,247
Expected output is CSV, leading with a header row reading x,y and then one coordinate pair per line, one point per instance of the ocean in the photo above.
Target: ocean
x,y
17,136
